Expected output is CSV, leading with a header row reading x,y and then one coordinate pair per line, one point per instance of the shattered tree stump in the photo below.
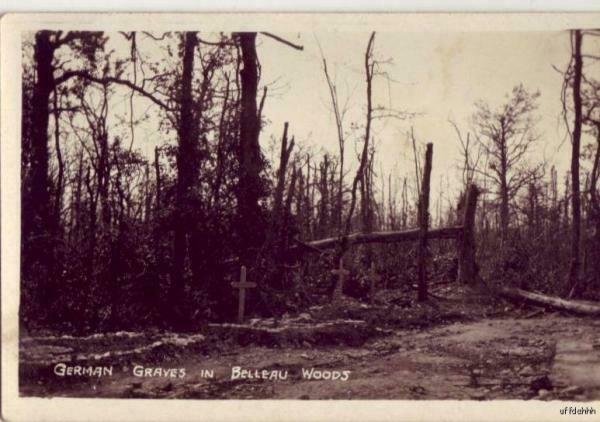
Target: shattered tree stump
x,y
424,226
242,286
468,272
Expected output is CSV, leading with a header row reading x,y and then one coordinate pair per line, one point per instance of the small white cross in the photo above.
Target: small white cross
x,y
242,286
341,272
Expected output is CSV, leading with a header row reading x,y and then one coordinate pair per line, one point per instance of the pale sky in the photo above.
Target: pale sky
x,y
438,74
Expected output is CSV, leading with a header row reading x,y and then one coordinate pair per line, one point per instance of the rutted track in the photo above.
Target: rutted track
x,y
546,358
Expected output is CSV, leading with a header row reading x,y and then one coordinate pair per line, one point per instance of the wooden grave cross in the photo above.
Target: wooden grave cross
x,y
242,286
375,278
341,272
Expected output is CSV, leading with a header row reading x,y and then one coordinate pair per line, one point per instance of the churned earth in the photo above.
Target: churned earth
x,y
436,351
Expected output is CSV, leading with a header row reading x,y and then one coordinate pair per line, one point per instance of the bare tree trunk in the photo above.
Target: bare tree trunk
x,y
424,225
416,157
566,199
278,232
574,270
324,205
187,174
58,197
338,114
287,213
223,132
37,219
284,158
250,190
308,201
391,205
115,260
369,69
404,219
92,228
157,227
157,203
367,206
504,210
75,223
104,162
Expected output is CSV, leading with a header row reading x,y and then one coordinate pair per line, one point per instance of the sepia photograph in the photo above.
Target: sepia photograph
x,y
323,214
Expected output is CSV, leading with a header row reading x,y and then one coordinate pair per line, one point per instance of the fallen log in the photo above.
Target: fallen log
x,y
385,237
575,306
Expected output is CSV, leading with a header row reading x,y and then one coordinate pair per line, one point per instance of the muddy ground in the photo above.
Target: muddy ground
x,y
452,348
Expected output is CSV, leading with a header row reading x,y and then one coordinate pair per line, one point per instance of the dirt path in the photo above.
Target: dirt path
x,y
546,358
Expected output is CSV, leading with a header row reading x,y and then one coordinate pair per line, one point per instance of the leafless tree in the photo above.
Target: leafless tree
x,y
369,64
506,134
339,112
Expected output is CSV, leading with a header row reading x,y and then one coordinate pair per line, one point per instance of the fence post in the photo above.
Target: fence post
x,y
468,272
424,224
